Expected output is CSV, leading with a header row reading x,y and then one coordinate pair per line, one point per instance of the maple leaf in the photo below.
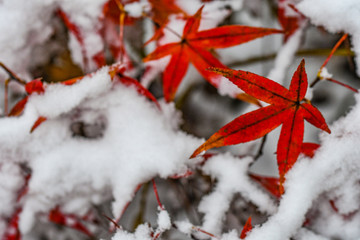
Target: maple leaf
x,y
113,12
271,184
308,149
290,22
161,10
287,107
194,46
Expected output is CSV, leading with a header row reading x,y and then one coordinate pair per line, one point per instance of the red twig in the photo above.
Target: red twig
x,y
112,221
157,195
337,45
157,235
205,232
342,84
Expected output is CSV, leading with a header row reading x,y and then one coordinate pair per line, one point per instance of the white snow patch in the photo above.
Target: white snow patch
x,y
231,173
324,73
164,221
336,16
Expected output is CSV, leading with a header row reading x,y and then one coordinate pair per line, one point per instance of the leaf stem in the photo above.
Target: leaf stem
x,y
12,75
157,195
333,50
342,84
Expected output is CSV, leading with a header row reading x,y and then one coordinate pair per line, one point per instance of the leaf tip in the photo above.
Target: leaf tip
x,y
302,63
197,152
327,129
40,120
198,13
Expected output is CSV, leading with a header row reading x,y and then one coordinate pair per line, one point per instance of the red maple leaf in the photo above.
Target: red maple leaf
x,y
194,46
288,107
289,18
161,10
271,184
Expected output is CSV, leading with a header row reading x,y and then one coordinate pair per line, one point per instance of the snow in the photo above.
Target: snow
x,y
11,182
336,17
31,26
329,170
233,235
324,73
184,226
164,221
136,9
102,139
226,87
231,174
142,233
99,169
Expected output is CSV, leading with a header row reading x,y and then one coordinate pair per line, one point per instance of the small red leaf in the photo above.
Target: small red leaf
x,y
34,86
271,184
18,108
39,121
289,18
247,228
308,149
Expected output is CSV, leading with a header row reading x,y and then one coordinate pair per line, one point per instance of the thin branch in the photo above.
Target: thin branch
x,y
157,195
337,45
12,75
260,151
342,84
